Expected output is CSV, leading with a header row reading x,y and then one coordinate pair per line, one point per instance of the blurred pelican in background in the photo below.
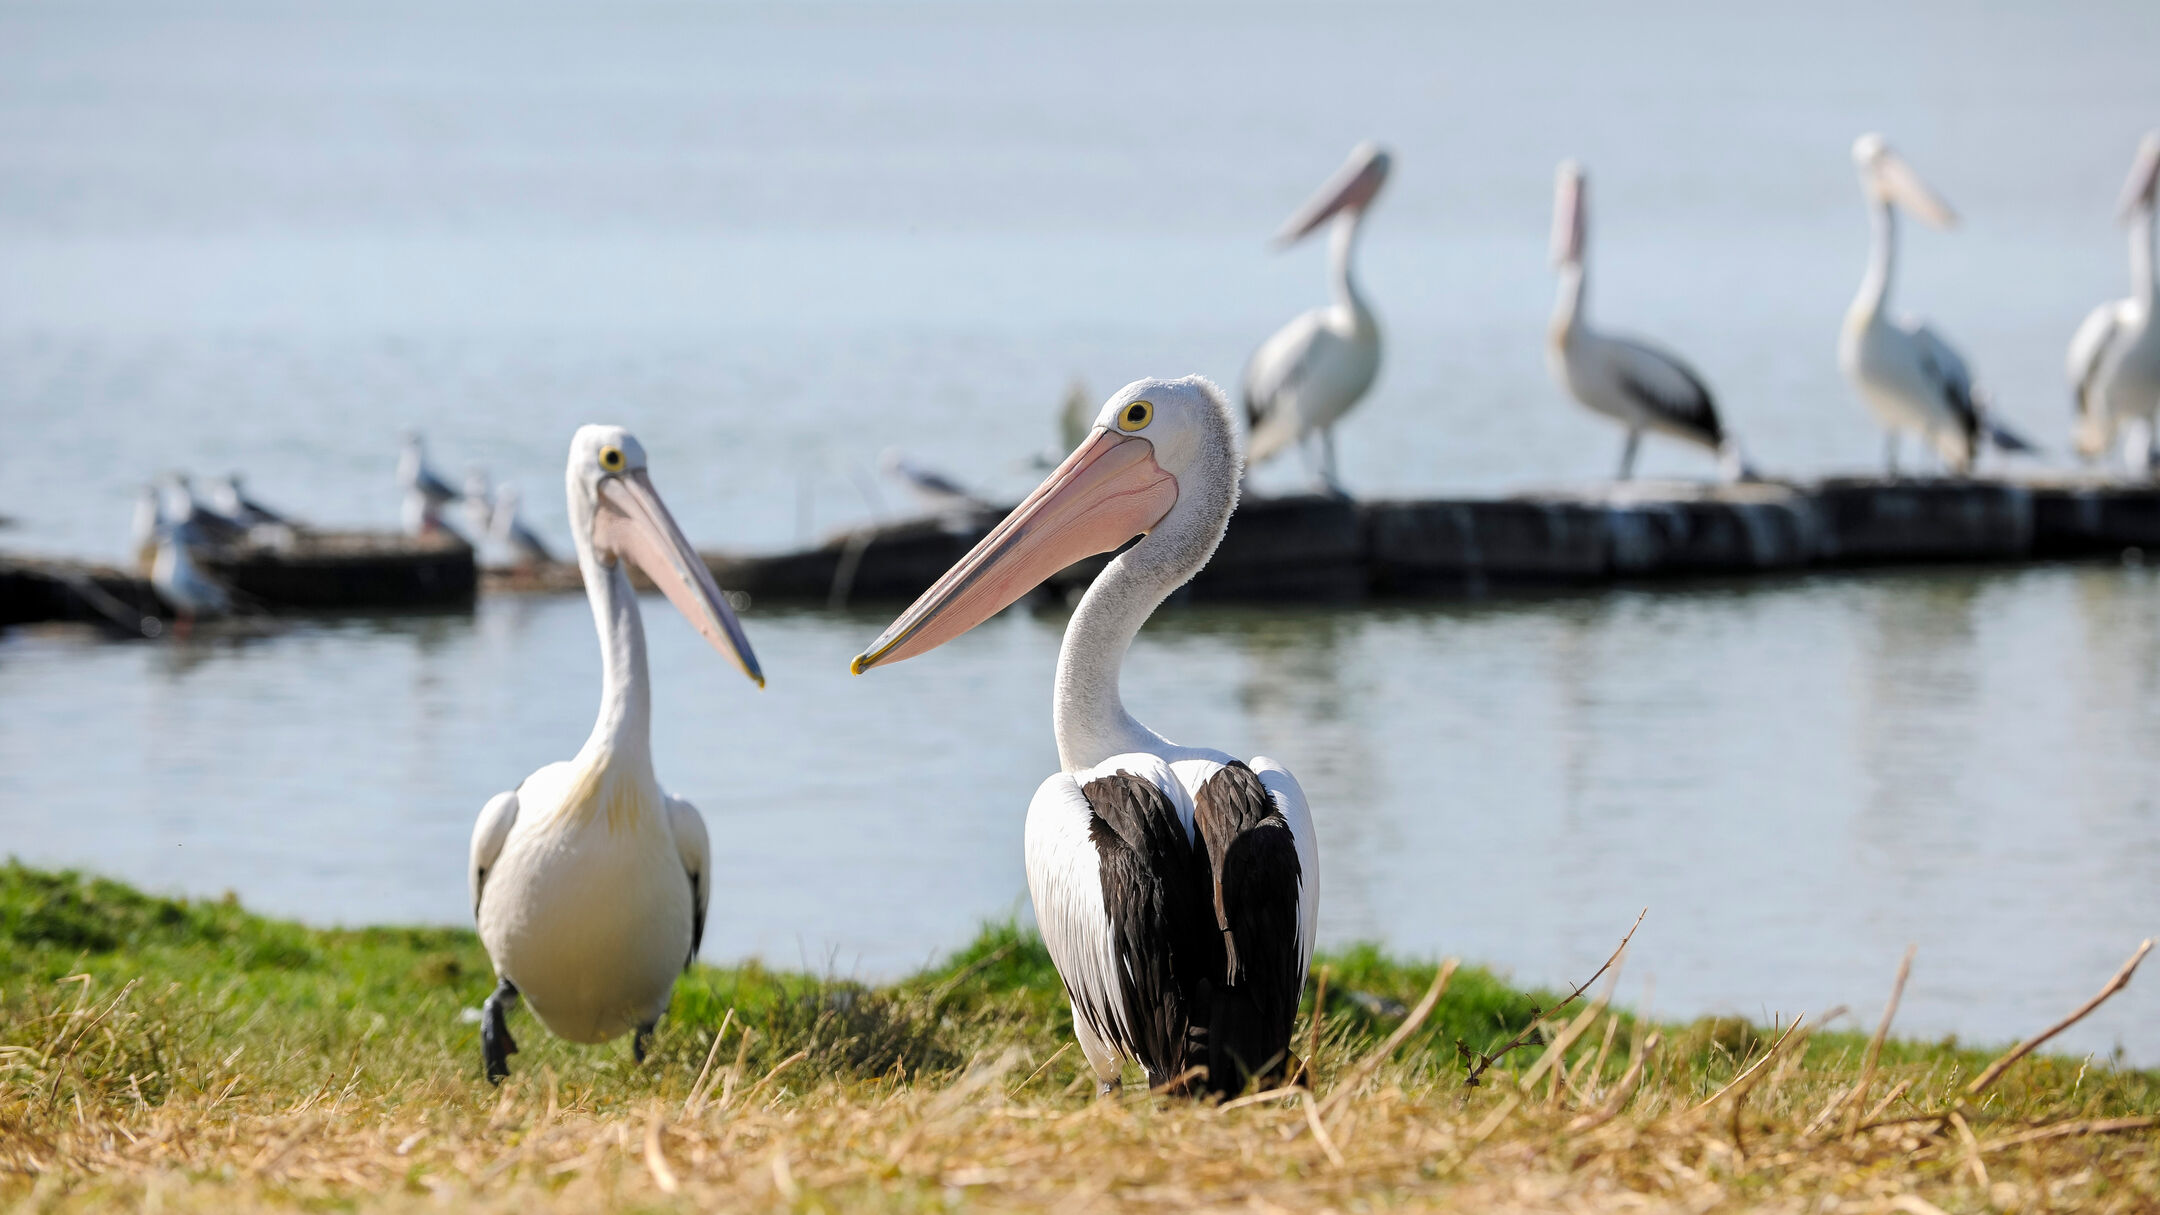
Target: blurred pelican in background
x,y
1629,381
1175,887
589,882
1315,368
425,492
1911,378
2115,357
505,528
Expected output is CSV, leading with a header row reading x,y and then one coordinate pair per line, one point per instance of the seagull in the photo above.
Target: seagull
x,y
526,547
589,882
478,504
1305,377
182,584
232,502
425,493
938,492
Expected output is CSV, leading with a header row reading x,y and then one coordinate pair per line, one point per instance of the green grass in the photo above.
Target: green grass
x,y
130,1012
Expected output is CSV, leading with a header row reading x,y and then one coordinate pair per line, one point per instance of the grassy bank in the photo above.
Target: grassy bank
x,y
188,1056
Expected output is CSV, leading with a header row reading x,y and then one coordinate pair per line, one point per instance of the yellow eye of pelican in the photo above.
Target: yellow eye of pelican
x,y
611,459
1136,416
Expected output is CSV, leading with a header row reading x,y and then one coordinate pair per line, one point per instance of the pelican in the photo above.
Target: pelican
x,y
425,492
1316,367
182,584
505,528
2115,357
1175,887
1904,370
232,501
1629,381
589,882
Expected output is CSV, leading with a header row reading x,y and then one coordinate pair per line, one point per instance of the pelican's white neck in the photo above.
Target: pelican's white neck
x,y
1087,713
1342,251
1882,259
2141,257
1573,296
623,731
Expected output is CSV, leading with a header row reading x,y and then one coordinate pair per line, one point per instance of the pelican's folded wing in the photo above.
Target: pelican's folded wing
x,y
496,819
696,850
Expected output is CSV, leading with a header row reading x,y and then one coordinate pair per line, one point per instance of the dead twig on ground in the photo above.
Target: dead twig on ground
x,y
2121,980
1479,1066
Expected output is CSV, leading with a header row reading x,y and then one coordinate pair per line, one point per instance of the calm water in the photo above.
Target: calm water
x,y
778,240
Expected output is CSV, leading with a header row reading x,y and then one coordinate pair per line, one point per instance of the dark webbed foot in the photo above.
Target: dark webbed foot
x,y
496,1044
639,1040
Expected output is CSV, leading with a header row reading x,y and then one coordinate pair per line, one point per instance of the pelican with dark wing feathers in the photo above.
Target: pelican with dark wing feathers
x,y
1175,887
1632,382
1913,380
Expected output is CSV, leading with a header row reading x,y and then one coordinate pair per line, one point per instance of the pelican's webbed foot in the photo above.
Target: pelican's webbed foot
x,y
496,1044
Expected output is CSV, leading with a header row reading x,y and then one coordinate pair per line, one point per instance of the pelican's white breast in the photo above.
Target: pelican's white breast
x,y
588,910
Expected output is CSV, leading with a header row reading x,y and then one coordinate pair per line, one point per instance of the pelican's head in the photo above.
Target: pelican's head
x,y
1885,176
1569,216
2139,192
1350,191
615,513
1120,482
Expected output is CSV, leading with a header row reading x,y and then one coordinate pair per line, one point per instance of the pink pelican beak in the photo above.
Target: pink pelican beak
x,y
1567,221
1351,189
2144,180
1106,492
632,522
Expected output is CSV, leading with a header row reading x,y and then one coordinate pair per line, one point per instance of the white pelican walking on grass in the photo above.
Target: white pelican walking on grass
x,y
2115,357
1175,887
1315,368
1631,382
1908,375
589,882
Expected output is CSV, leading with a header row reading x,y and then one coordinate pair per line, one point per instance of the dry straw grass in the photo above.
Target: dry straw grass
x,y
340,1076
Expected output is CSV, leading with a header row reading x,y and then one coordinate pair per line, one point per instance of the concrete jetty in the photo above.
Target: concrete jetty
x,y
313,571
1315,548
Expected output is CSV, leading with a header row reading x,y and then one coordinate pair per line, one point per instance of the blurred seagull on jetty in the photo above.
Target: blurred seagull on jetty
x,y
232,501
1305,377
149,520
939,493
1075,414
2115,357
506,529
1912,379
1630,381
590,884
207,526
191,593
425,493
478,504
